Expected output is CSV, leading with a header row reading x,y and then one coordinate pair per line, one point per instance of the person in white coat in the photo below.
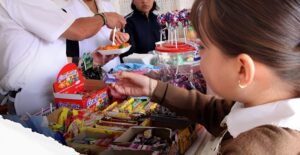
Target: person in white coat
x,y
33,48
87,8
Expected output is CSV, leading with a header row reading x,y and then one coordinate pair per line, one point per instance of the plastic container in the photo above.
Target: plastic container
x,y
175,60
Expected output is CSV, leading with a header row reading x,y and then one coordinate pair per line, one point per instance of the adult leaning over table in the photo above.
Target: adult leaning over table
x,y
33,49
86,8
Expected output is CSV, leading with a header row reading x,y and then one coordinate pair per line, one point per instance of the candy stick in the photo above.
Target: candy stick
x,y
175,38
184,33
161,36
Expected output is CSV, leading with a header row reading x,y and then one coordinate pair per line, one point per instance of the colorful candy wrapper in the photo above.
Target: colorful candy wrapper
x,y
119,115
125,104
109,78
110,107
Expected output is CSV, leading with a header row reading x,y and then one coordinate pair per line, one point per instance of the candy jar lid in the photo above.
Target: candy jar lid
x,y
171,47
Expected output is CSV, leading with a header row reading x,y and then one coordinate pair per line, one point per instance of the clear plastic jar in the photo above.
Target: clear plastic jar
x,y
175,60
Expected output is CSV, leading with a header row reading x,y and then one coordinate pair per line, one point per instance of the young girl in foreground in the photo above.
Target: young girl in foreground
x,y
251,55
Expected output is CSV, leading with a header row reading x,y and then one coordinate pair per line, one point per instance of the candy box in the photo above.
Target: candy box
x,y
182,127
91,142
124,144
73,91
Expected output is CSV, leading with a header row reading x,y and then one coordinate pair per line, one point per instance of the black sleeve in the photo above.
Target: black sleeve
x,y
72,48
129,28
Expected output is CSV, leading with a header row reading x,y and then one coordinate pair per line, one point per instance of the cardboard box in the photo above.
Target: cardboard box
x,y
121,144
169,122
88,148
182,125
86,133
70,87
127,136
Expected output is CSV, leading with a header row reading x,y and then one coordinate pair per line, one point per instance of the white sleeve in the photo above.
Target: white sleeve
x,y
42,18
107,6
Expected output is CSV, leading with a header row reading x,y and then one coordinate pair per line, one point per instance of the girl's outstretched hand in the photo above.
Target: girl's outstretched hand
x,y
131,84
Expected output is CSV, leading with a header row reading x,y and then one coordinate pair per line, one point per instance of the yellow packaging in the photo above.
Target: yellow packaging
x,y
184,140
119,115
102,130
75,112
140,107
110,107
130,108
63,116
126,104
75,126
146,122
153,106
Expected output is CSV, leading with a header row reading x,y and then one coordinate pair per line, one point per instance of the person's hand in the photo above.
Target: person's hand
x,y
99,59
120,37
132,84
114,20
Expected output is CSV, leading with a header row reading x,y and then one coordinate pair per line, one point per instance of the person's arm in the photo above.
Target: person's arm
x,y
86,27
83,28
49,22
205,109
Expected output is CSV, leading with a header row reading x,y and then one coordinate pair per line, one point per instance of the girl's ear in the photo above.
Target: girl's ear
x,y
246,71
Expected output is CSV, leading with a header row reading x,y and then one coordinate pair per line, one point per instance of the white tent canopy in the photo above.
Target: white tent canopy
x,y
123,6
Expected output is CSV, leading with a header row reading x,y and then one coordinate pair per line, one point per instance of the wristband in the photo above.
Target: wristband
x,y
102,15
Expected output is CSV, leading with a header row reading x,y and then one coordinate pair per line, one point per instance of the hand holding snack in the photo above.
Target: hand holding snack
x,y
131,84
120,37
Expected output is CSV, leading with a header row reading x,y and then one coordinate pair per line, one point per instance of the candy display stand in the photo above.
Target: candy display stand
x,y
178,57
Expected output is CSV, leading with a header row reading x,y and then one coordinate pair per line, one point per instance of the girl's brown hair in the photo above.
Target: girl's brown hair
x,y
267,30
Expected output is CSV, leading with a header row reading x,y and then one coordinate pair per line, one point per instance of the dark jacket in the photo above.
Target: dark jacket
x,y
143,31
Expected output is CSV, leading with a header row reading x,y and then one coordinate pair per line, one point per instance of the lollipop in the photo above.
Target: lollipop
x,y
184,17
161,19
174,19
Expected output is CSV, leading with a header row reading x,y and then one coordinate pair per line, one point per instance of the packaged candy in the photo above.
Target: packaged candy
x,y
119,115
109,78
140,107
87,61
110,107
125,104
73,91
148,133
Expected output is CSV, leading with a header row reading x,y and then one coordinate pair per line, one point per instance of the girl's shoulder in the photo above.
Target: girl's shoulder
x,y
266,139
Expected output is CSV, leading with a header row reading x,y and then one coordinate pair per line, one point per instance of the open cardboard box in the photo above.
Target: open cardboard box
x,y
169,122
87,132
120,145
70,85
186,135
88,148
53,116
